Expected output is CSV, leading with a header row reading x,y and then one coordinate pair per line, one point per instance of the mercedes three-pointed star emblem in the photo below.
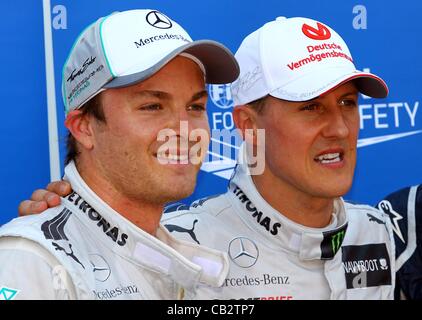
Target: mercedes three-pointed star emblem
x,y
158,20
100,267
243,252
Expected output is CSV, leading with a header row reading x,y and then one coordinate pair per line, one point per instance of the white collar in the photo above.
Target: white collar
x,y
278,230
185,262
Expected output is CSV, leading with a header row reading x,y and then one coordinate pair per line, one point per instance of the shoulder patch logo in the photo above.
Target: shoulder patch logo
x,y
54,230
387,208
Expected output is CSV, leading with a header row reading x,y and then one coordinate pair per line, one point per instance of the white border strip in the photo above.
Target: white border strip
x,y
53,138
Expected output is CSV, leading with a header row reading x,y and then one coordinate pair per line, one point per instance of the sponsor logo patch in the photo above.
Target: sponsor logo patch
x,y
366,265
332,241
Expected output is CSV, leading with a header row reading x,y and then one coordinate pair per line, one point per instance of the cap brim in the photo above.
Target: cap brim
x,y
366,83
370,85
219,63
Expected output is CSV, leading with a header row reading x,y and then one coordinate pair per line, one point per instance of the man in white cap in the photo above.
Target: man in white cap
x,y
129,76
288,232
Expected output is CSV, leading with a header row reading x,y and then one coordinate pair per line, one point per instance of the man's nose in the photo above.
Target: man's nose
x,y
179,123
336,125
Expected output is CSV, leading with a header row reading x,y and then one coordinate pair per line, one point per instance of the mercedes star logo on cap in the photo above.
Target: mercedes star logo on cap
x,y
158,20
243,252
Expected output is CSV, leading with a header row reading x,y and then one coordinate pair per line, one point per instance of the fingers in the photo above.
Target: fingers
x,y
50,198
61,188
40,200
41,195
43,199
28,207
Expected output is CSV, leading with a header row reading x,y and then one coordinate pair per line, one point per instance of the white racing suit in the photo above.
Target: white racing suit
x,y
83,249
276,259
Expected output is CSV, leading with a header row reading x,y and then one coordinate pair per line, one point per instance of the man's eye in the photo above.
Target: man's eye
x,y
348,103
197,107
151,107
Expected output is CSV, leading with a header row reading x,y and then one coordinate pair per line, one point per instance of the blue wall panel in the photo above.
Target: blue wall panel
x,y
382,36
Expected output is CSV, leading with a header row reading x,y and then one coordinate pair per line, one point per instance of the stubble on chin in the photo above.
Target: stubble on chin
x,y
162,188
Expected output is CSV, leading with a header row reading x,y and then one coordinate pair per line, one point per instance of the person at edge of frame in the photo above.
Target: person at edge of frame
x,y
404,208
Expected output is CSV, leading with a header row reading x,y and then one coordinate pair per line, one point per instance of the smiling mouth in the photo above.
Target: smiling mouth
x,y
173,158
328,158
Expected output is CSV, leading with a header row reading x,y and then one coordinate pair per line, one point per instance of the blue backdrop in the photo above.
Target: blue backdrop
x,y
384,37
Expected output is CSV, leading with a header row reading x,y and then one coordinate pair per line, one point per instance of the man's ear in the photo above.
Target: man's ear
x,y
79,125
245,120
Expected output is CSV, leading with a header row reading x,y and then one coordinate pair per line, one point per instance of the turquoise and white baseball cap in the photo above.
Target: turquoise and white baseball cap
x,y
127,47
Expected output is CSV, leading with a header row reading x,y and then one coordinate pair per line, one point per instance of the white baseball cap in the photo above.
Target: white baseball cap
x,y
127,47
297,59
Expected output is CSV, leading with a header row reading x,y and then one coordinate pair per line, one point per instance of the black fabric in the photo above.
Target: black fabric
x,y
409,276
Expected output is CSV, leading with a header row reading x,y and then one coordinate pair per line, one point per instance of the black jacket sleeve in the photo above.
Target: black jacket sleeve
x,y
404,207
